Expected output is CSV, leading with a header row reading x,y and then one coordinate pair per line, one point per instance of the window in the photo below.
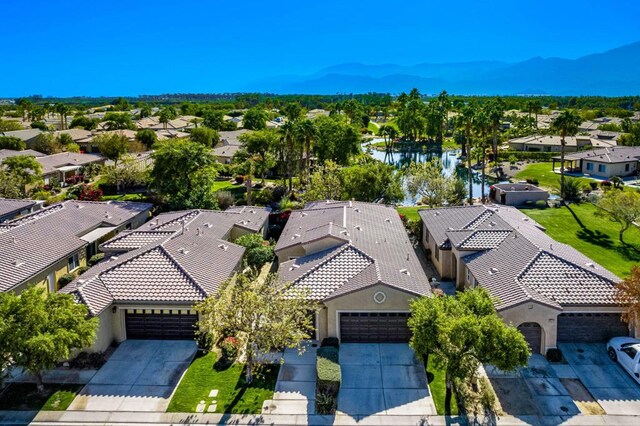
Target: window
x,y
426,236
631,352
626,167
590,166
128,226
73,262
437,253
602,168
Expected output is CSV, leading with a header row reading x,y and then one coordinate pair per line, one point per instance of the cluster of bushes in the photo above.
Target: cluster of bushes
x,y
258,251
329,376
229,350
88,360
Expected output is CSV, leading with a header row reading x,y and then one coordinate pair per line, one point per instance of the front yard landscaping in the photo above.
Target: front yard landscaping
x,y
25,396
596,237
234,395
438,387
546,177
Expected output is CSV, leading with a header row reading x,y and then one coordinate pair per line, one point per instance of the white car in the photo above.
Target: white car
x,y
626,351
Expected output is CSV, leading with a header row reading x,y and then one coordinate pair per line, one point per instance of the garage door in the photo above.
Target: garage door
x,y
374,327
532,333
160,325
590,328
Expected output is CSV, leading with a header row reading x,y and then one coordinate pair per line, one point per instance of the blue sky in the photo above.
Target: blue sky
x,y
117,47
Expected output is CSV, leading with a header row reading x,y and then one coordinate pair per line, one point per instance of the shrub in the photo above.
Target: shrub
x,y
65,279
279,192
533,181
513,159
541,204
605,183
229,348
554,355
96,258
240,180
593,185
572,189
81,270
225,199
325,403
328,370
264,197
330,342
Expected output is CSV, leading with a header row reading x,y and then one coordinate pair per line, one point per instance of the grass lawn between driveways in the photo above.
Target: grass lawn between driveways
x,y
234,396
437,385
25,396
411,212
546,177
597,238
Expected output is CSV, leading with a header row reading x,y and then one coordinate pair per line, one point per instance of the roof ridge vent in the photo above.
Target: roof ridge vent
x,y
493,271
183,250
223,247
198,231
17,263
388,220
405,271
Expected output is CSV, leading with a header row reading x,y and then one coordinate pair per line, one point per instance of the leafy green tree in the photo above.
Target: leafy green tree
x,y
622,207
325,183
127,174
205,136
306,131
167,114
184,173
336,139
428,181
628,296
118,121
147,137
121,104
389,134
84,122
260,146
73,147
145,110
39,125
258,251
64,139
113,145
10,185
371,182
213,119
41,328
11,142
255,119
9,125
463,332
565,124
46,143
292,110
260,312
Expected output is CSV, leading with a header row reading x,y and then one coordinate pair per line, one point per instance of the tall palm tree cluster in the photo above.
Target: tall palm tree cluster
x,y
418,120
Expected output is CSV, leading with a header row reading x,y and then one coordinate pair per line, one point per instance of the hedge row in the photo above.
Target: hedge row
x,y
329,379
526,155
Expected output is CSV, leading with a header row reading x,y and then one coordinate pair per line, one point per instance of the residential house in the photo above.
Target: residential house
x,y
28,136
356,260
604,163
64,165
549,290
553,143
6,153
229,144
516,194
10,208
152,277
40,247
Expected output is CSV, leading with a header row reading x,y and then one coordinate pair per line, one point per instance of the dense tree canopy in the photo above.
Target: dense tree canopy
x,y
255,119
336,140
112,145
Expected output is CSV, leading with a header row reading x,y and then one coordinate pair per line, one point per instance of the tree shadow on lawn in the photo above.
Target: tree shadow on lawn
x,y
595,237
629,252
264,380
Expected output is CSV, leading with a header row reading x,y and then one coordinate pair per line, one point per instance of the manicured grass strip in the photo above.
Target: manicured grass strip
x,y
438,389
597,238
411,212
125,197
546,177
234,396
25,396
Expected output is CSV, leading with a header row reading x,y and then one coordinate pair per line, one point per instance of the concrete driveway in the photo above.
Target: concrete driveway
x,y
140,376
610,385
382,379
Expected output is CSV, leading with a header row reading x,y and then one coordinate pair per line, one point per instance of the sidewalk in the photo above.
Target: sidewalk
x,y
143,418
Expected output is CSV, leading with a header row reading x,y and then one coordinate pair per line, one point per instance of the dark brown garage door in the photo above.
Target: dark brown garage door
x,y
374,327
532,333
160,325
590,328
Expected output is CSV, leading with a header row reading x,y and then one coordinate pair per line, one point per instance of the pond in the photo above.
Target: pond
x,y
449,160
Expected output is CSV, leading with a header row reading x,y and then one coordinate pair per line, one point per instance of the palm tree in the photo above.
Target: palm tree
x,y
466,118
287,151
62,110
566,124
482,125
306,131
496,111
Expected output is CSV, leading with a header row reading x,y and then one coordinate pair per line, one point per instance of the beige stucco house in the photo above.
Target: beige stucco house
x,y
604,163
40,247
356,260
549,290
153,276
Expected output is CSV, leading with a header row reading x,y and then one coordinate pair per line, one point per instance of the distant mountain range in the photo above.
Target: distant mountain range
x,y
615,72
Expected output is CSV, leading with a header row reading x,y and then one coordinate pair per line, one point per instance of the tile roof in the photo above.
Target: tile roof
x,y
518,261
9,206
50,163
619,154
32,243
374,230
177,257
6,153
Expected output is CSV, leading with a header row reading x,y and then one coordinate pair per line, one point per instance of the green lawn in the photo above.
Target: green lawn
x,y
234,396
438,389
125,197
594,236
546,177
25,396
373,128
411,212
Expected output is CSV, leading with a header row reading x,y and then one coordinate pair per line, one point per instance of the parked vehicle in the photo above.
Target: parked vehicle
x,y
626,351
